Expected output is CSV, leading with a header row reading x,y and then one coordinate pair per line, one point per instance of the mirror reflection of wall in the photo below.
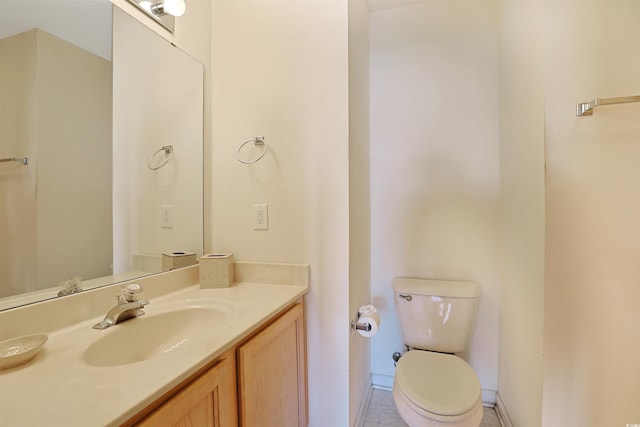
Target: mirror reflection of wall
x,y
98,217
149,71
56,110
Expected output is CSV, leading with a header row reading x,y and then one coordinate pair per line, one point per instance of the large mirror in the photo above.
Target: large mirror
x,y
111,125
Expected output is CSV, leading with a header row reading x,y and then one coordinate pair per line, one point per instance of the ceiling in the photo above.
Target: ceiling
x,y
86,23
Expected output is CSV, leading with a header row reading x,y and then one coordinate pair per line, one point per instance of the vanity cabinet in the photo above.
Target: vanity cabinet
x,y
272,382
261,382
207,401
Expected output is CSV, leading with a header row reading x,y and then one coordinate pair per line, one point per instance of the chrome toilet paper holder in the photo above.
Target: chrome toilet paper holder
x,y
358,326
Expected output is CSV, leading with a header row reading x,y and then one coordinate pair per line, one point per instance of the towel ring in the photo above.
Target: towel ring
x,y
257,140
168,149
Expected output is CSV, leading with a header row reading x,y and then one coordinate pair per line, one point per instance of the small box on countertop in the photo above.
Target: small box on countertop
x,y
174,260
216,271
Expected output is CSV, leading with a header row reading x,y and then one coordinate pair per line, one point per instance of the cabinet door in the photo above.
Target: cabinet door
x,y
210,400
272,381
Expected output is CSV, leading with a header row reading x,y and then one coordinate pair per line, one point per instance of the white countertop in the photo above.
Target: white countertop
x,y
57,388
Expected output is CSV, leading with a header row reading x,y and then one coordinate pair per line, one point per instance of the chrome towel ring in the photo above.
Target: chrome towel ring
x,y
257,140
168,150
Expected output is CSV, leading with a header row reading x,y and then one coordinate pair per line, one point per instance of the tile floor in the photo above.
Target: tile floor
x,y
382,413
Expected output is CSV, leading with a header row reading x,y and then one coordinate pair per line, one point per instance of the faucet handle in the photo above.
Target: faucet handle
x,y
130,292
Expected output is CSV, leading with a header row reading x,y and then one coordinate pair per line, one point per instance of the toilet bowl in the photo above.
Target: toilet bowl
x,y
433,386
436,389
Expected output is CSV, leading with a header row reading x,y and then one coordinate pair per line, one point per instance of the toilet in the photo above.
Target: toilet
x,y
433,386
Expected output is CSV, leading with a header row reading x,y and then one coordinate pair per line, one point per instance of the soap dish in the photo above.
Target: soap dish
x,y
16,351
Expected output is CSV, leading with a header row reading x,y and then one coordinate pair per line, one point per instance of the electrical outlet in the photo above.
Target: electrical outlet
x,y
261,216
166,216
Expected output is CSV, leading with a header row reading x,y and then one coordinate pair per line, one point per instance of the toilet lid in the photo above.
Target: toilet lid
x,y
442,384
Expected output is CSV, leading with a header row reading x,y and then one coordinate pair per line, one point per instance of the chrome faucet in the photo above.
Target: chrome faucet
x,y
129,306
71,286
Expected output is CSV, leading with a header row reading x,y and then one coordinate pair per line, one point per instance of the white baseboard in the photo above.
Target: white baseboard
x,y
489,398
382,382
501,411
364,407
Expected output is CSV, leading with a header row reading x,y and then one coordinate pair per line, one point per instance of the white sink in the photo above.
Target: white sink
x,y
155,335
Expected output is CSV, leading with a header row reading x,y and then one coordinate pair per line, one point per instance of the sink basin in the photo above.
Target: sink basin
x,y
155,335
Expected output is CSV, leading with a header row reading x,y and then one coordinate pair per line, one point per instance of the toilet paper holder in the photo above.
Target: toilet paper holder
x,y
360,326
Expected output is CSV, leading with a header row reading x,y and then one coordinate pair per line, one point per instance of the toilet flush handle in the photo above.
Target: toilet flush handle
x,y
407,297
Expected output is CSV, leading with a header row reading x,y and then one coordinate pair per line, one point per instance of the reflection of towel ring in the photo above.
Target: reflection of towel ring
x,y
257,140
168,149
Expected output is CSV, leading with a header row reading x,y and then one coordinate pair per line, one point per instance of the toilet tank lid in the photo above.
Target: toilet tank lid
x,y
443,288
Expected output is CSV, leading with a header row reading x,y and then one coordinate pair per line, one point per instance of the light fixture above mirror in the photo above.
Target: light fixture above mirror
x,y
163,12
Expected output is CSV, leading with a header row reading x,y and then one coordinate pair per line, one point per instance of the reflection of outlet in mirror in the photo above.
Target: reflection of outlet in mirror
x,y
166,216
260,217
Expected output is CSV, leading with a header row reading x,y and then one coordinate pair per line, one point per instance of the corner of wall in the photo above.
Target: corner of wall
x,y
501,411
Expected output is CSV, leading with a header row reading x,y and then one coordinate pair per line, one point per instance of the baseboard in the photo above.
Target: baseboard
x,y
501,411
364,407
488,398
382,382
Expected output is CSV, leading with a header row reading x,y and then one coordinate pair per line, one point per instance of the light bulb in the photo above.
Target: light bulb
x,y
174,7
146,5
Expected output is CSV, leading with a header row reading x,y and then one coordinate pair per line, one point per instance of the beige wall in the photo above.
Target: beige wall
x,y
63,124
359,205
18,265
435,182
281,70
591,334
553,55
521,211
73,162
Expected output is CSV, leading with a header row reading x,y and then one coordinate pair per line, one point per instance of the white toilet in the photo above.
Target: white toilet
x,y
433,386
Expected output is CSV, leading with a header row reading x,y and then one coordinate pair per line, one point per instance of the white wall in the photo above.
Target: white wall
x,y
591,334
281,70
521,211
434,164
359,204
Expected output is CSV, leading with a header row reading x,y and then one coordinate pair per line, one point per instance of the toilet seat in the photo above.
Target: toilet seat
x,y
438,386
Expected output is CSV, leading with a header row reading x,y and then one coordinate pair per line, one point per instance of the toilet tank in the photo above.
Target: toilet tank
x,y
436,315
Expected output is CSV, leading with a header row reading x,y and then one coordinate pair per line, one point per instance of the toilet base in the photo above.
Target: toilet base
x,y
415,419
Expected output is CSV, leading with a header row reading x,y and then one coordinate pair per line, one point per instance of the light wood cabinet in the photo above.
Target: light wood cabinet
x,y
268,388
272,379
208,401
